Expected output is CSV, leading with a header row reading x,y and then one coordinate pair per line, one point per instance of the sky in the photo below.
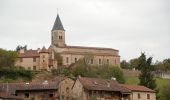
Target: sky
x,y
131,26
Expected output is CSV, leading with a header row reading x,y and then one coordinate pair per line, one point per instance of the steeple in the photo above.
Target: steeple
x,y
57,24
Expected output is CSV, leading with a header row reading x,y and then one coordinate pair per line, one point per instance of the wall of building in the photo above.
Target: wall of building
x,y
78,91
38,95
143,96
28,63
65,89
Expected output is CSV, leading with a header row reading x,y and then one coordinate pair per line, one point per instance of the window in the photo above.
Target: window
x,y
148,96
26,95
91,61
29,68
67,59
100,61
67,89
50,95
75,59
21,60
34,67
138,96
34,59
61,37
107,61
43,60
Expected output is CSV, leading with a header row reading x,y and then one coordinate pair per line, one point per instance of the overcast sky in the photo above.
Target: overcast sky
x,y
131,26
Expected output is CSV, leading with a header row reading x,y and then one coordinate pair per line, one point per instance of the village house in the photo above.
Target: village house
x,y
140,92
44,58
56,90
101,89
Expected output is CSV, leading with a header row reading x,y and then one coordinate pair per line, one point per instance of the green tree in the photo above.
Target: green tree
x,y
125,65
7,58
146,77
134,63
21,47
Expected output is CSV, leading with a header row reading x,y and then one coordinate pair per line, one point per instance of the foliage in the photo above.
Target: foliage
x,y
19,47
103,71
146,77
163,65
7,58
125,65
134,63
14,73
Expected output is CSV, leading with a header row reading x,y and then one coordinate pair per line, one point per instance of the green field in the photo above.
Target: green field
x,y
160,82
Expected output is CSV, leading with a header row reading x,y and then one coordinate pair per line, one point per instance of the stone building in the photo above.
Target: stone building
x,y
101,89
44,59
59,89
86,88
140,92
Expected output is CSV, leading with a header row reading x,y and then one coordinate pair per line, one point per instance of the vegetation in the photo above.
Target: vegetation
x,y
165,93
146,77
15,73
19,47
7,58
82,68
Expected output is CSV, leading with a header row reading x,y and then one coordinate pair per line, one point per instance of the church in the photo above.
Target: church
x,y
43,59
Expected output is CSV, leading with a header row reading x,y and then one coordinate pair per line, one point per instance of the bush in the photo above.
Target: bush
x,y
14,73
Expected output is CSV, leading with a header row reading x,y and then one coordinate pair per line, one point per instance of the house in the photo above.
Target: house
x,y
43,59
55,90
140,92
101,89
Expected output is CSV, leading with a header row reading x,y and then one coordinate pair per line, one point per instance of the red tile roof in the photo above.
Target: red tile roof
x,y
82,47
137,88
85,53
102,84
29,53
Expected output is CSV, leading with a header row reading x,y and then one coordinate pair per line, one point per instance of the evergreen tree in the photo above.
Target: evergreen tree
x,y
146,77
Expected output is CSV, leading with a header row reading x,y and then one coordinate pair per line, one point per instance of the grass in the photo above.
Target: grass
x,y
160,82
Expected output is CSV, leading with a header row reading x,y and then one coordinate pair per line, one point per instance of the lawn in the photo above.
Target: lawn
x,y
160,82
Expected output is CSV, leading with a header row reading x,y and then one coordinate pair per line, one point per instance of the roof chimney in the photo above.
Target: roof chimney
x,y
21,51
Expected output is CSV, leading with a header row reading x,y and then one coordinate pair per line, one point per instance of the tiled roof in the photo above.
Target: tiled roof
x,y
86,53
83,47
29,53
44,50
102,84
57,24
137,88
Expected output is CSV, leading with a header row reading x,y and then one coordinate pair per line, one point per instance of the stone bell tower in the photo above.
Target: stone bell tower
x,y
58,33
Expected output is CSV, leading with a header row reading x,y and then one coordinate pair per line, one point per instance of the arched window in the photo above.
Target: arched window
x,y
100,61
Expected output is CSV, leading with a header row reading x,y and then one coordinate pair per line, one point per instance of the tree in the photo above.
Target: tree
x,y
134,63
125,65
146,77
7,58
19,47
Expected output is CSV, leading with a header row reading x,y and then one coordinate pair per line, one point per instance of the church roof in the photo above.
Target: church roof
x,y
57,24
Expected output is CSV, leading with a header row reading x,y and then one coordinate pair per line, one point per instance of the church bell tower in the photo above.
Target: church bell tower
x,y
58,33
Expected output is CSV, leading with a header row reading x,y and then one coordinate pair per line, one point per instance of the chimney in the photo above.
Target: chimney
x,y
108,84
